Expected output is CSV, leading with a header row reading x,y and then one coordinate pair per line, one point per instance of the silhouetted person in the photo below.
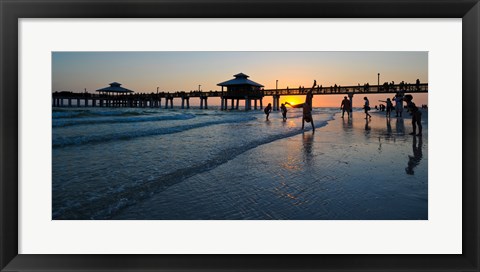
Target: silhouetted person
x,y
389,106
398,105
414,160
366,107
284,112
345,106
416,115
268,110
307,107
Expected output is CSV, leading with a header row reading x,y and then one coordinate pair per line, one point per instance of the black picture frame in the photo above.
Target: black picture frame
x,y
12,10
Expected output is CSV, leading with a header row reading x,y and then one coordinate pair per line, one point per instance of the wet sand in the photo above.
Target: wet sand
x,y
350,169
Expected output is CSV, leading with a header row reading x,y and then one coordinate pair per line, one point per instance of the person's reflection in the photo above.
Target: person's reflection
x,y
414,160
389,127
269,123
347,124
367,127
307,147
400,126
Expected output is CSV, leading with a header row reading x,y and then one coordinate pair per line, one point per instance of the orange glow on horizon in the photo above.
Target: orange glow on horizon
x,y
336,99
292,99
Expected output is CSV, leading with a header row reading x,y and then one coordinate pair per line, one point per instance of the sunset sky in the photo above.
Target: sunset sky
x,y
185,71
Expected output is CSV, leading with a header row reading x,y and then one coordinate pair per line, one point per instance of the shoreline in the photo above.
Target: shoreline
x,y
346,170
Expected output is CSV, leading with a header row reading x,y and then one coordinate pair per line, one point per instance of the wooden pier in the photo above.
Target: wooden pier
x,y
165,99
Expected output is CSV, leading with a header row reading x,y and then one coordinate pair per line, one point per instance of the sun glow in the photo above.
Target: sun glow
x,y
292,99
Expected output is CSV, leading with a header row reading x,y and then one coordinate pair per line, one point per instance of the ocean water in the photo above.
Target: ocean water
x,y
107,159
147,163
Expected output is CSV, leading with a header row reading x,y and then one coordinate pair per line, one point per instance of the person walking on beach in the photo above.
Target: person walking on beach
x,y
268,110
307,107
345,106
389,106
416,115
398,105
284,112
366,107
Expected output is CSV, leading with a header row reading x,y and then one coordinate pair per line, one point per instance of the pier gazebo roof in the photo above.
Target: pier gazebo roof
x,y
240,79
115,88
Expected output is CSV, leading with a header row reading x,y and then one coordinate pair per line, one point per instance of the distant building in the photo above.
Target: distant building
x,y
114,89
241,88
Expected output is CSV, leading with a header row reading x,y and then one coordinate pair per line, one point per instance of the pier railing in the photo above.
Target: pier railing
x,y
365,89
84,99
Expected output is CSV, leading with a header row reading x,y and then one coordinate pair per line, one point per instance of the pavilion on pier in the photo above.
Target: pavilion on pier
x,y
241,88
114,89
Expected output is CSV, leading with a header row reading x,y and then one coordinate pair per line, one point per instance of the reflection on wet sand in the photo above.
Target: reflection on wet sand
x,y
367,127
307,141
389,127
347,124
400,126
414,160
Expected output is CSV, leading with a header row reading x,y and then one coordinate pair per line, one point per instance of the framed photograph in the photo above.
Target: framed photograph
x,y
249,136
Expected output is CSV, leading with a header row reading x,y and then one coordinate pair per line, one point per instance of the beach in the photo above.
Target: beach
x,y
158,164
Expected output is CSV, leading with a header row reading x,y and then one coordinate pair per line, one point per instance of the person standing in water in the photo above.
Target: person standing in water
x,y
284,112
398,105
268,110
366,107
389,106
307,107
345,106
416,115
